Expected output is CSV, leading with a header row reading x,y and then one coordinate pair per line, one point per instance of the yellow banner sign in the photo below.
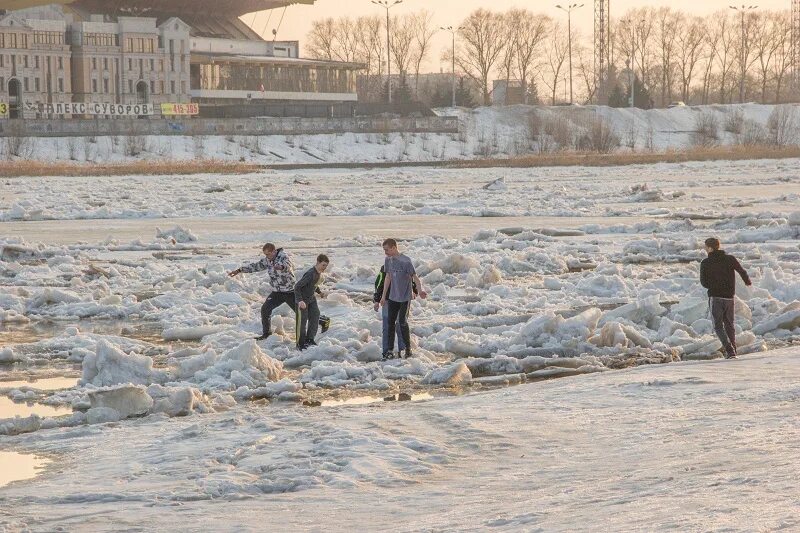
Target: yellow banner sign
x,y
3,109
180,109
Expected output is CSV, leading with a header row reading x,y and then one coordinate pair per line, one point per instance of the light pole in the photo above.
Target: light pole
x,y
742,10
387,5
568,11
453,31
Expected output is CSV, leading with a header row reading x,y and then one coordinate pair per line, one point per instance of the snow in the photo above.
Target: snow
x,y
556,455
574,279
484,132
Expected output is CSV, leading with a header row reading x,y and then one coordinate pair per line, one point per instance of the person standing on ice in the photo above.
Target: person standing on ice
x,y
305,294
718,275
388,347
280,268
398,293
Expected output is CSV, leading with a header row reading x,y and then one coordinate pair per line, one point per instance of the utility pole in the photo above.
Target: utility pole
x,y
453,31
387,5
568,11
742,11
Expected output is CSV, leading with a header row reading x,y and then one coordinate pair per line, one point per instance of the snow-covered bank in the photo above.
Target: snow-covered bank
x,y
487,132
692,446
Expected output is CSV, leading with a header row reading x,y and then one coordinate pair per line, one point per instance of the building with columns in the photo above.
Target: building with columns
x,y
161,51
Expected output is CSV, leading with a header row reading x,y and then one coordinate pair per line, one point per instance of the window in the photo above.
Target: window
x,y
2,82
48,37
152,65
130,86
141,65
25,61
94,63
36,86
129,44
36,61
160,86
183,87
152,87
94,86
61,85
172,87
105,63
2,57
61,63
161,65
105,86
130,64
100,39
27,87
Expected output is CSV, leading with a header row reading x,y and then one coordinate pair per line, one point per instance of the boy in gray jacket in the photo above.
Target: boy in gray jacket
x,y
307,309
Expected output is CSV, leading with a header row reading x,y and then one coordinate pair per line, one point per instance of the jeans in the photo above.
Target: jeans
x,y
307,323
722,312
401,345
398,318
275,300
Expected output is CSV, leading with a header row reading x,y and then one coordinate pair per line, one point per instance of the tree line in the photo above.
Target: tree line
x,y
725,57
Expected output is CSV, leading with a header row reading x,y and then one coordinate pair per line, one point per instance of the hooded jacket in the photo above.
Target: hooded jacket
x,y
718,274
282,280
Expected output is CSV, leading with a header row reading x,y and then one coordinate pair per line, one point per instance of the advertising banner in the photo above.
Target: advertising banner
x,y
180,109
113,110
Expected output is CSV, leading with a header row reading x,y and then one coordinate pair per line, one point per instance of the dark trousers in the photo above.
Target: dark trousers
x,y
275,300
398,316
722,312
307,323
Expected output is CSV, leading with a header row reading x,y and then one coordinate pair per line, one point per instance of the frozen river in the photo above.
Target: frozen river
x,y
120,330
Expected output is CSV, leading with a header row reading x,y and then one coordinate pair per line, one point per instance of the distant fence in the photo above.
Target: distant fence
x,y
251,126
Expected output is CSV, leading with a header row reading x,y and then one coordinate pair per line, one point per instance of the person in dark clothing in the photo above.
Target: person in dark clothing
x,y
718,275
397,292
307,309
388,347
280,268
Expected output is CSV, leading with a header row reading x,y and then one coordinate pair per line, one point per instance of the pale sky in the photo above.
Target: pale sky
x,y
298,18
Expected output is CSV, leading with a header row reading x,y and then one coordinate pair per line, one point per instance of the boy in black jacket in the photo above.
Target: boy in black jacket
x,y
718,275
307,310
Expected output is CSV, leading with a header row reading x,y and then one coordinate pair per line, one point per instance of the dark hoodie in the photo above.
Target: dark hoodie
x,y
718,274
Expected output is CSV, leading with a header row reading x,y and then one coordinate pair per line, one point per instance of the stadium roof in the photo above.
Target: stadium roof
x,y
158,8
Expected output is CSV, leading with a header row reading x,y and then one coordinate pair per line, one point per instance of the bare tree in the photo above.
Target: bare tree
x,y
507,63
746,55
530,31
556,52
482,43
423,35
783,56
725,54
766,44
586,69
402,39
369,37
690,37
667,26
321,39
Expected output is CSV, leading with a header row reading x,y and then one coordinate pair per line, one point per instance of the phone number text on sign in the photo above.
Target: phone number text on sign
x,y
180,109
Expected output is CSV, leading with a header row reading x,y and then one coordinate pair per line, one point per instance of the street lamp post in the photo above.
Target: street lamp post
x,y
568,11
742,10
387,5
453,31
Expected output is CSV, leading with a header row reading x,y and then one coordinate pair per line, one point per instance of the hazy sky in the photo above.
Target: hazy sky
x,y
298,18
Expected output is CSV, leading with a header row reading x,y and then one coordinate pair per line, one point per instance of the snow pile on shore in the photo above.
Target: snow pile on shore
x,y
485,132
